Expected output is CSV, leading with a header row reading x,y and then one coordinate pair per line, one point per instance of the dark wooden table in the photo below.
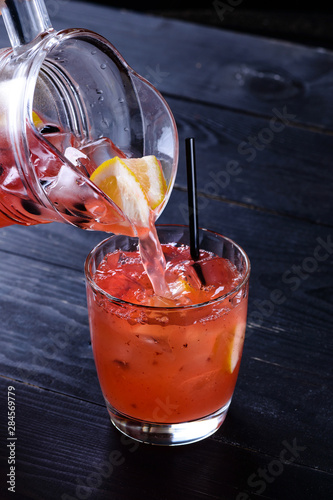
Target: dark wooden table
x,y
262,115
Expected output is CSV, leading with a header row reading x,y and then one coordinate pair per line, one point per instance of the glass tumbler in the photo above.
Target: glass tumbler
x,y
168,373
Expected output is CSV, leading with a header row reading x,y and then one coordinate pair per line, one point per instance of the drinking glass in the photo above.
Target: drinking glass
x,y
168,373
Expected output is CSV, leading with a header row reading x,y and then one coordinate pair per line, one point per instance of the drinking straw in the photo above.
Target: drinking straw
x,y
192,198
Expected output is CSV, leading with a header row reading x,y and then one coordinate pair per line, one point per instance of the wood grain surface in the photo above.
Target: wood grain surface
x,y
261,113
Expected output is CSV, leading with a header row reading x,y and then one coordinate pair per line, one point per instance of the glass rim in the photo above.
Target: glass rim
x,y
119,301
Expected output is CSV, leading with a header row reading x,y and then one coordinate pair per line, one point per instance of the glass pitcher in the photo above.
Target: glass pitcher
x,y
68,102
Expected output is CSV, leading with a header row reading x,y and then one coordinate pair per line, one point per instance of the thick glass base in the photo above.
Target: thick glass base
x,y
168,434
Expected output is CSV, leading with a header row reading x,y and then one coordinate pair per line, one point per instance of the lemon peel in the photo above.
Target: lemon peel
x,y
236,345
37,121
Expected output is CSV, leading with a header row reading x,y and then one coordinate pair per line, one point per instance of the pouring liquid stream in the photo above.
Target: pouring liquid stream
x,y
153,261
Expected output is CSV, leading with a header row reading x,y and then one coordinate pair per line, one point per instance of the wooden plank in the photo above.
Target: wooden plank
x,y
243,72
45,337
258,162
52,457
247,73
53,243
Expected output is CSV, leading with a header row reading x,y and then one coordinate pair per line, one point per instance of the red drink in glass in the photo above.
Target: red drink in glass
x,y
168,365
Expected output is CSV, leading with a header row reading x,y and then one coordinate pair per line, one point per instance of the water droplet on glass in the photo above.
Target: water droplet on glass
x,y
103,66
80,182
60,59
121,100
101,98
93,52
99,91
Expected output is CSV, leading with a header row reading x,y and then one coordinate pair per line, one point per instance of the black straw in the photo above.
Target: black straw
x,y
192,198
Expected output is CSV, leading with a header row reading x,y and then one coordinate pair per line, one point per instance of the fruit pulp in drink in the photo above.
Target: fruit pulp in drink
x,y
167,359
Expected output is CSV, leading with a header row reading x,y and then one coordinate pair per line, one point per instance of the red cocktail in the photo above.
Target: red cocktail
x,y
168,365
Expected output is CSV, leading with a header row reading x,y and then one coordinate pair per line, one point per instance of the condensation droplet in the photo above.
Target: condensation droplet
x,y
103,66
60,59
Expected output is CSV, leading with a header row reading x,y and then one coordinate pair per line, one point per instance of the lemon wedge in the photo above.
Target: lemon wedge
x,y
120,184
236,345
149,173
179,287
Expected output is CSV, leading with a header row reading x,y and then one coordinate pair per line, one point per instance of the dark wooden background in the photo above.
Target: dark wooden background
x,y
307,23
225,89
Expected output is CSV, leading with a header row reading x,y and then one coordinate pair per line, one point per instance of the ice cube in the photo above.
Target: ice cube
x,y
73,154
220,273
102,150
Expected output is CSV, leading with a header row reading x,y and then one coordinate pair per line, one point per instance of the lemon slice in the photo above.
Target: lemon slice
x,y
149,173
179,287
236,346
120,184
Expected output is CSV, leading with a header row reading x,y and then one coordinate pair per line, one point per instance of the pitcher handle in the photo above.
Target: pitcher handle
x,y
24,20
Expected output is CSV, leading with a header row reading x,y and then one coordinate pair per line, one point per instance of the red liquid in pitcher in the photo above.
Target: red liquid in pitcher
x,y
70,196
